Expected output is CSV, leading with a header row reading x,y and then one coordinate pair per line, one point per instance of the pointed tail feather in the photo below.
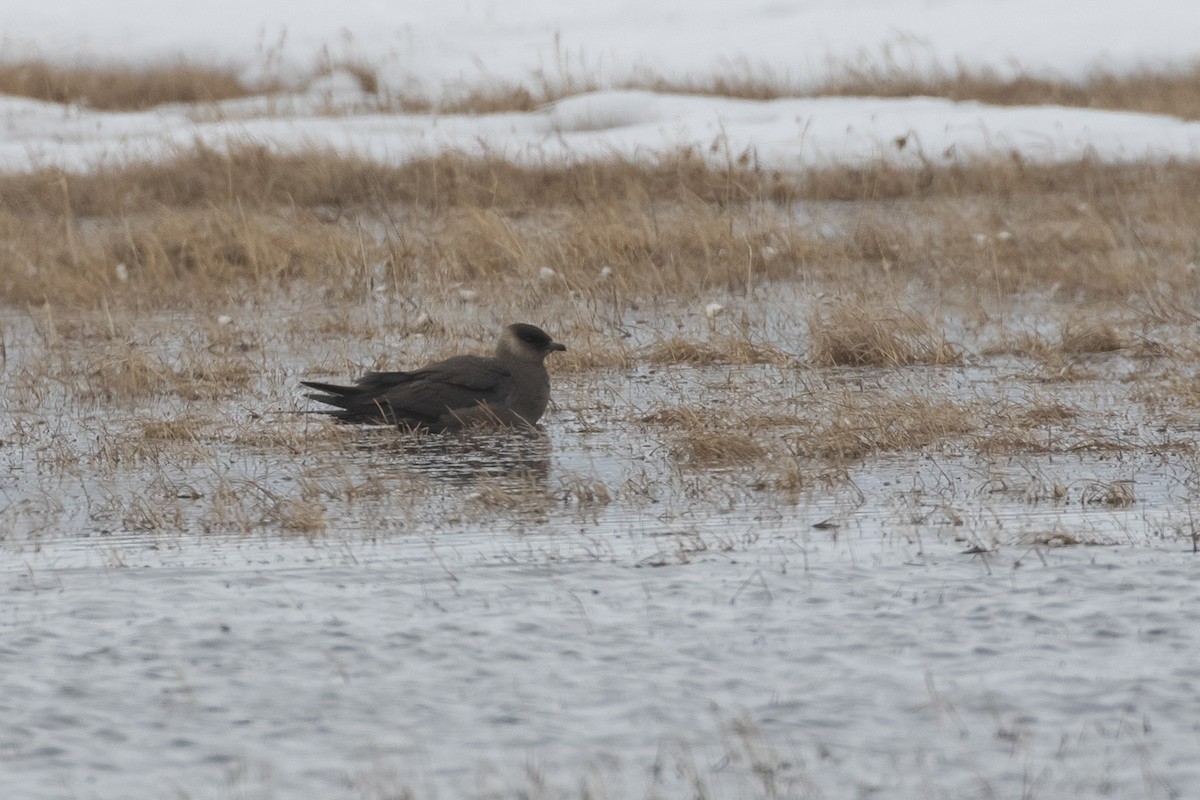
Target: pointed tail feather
x,y
351,403
330,388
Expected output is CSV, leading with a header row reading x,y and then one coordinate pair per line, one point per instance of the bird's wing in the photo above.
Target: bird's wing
x,y
374,383
461,382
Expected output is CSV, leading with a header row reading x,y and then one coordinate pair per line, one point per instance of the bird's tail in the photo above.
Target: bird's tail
x,y
354,403
329,388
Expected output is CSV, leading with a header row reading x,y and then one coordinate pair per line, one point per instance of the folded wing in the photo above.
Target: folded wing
x,y
421,398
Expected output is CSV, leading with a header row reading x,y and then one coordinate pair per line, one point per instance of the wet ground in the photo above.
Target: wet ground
x,y
207,594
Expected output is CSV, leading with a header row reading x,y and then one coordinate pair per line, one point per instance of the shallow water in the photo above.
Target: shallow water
x,y
781,670
275,608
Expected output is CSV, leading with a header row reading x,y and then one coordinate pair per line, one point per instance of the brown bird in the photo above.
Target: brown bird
x,y
510,388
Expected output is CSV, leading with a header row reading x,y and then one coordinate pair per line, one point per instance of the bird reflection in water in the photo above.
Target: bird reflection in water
x,y
461,458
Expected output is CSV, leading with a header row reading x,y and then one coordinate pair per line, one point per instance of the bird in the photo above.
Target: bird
x,y
511,388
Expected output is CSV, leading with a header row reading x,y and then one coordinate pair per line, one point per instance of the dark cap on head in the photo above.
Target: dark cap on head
x,y
535,337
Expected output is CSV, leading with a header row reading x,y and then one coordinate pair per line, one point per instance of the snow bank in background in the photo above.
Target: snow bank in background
x,y
822,131
452,46
781,134
429,47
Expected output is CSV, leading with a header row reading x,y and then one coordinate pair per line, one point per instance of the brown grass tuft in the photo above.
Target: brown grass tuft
x,y
210,378
1085,336
708,439
860,426
863,334
305,517
584,357
582,491
708,448
717,350
1008,442
1042,415
1055,539
125,373
1024,344
526,495
186,428
121,87
1115,494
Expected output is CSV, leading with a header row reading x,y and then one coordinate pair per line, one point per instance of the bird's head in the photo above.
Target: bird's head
x,y
526,343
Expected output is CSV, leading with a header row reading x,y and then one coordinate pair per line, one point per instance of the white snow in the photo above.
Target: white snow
x,y
450,47
787,134
469,41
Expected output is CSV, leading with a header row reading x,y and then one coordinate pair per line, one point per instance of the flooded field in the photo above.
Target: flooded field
x,y
744,557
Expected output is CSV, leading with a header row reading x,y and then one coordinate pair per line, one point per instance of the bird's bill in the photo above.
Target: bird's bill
x,y
562,348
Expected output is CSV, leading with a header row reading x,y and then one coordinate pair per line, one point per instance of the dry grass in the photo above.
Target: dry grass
x,y
837,428
304,517
210,378
587,357
122,373
208,225
717,350
115,86
1085,198
185,428
862,333
858,426
121,87
1115,494
1042,426
255,177
1174,92
737,433
170,256
743,412
713,448
525,495
1178,390
1046,414
1087,336
584,492
1009,442
1082,333
1021,343
129,373
115,372
276,433
1074,239
1055,539
1051,428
